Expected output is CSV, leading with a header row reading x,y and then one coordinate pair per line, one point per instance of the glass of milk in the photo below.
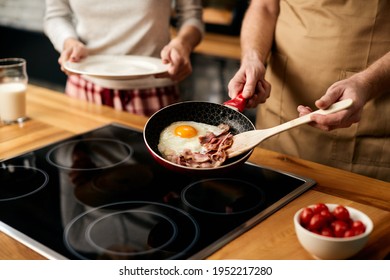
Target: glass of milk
x,y
13,85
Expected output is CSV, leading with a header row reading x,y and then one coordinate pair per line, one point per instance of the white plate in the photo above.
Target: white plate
x,y
117,67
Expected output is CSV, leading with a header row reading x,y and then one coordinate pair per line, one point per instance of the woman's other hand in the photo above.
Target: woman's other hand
x,y
73,51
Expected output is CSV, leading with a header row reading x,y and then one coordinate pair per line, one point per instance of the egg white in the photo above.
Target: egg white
x,y
170,143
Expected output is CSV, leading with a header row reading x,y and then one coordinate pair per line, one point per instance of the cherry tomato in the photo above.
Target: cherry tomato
x,y
349,233
349,221
339,228
327,215
317,208
358,227
316,231
317,222
341,213
306,215
327,231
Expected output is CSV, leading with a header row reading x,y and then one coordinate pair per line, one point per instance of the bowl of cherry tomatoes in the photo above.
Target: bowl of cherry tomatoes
x,y
332,231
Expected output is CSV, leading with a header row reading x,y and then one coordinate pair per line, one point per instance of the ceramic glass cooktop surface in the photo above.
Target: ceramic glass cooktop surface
x,y
101,195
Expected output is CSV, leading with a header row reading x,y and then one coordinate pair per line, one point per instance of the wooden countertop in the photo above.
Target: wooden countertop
x,y
54,116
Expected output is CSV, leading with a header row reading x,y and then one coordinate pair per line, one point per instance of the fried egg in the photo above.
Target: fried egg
x,y
182,135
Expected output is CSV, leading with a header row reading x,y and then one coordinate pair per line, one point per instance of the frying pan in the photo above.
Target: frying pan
x,y
199,111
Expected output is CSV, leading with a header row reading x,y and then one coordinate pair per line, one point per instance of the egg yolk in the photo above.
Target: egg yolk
x,y
185,131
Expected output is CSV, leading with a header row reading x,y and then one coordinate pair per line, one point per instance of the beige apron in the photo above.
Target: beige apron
x,y
318,42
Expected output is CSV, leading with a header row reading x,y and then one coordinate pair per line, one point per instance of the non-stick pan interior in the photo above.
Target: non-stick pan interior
x,y
204,112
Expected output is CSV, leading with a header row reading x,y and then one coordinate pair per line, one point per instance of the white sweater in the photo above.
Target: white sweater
x,y
119,27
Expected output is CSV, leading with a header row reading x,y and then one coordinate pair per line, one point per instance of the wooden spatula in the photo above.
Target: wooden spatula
x,y
245,141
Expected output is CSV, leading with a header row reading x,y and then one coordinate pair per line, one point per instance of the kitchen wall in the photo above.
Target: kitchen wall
x,y
24,14
22,35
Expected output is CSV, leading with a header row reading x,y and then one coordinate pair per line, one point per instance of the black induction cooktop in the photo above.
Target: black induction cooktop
x,y
101,195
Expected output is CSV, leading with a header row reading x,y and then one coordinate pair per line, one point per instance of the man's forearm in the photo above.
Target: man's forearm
x,y
189,36
257,33
377,76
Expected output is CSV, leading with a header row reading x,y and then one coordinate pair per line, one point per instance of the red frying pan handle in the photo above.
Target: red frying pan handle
x,y
237,103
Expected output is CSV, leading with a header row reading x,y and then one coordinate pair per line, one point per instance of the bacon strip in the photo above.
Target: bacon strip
x,y
215,146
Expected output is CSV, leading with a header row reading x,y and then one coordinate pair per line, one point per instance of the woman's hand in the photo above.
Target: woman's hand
x,y
73,51
177,55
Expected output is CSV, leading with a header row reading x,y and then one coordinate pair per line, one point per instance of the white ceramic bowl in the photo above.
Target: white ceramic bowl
x,y
333,248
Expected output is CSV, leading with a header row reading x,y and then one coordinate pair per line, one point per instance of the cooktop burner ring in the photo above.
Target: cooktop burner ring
x,y
222,196
29,175
186,235
90,154
91,226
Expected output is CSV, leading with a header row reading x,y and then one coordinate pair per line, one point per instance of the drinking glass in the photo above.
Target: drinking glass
x,y
13,85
